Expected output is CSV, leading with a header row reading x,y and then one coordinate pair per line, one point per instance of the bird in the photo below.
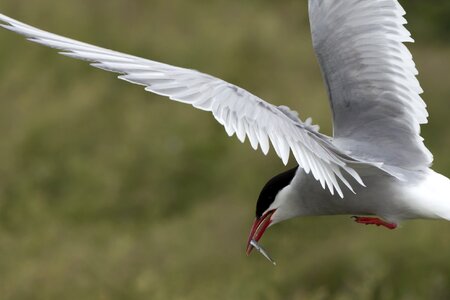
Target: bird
x,y
375,165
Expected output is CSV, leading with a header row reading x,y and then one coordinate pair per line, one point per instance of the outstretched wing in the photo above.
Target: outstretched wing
x,y
371,80
236,109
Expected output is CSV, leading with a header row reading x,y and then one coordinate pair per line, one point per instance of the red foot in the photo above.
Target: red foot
x,y
374,221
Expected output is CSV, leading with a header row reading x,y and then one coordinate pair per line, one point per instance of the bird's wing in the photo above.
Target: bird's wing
x,y
236,109
371,80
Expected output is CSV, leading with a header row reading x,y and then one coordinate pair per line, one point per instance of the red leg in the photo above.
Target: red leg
x,y
374,221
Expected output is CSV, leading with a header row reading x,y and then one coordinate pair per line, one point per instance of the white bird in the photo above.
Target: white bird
x,y
376,150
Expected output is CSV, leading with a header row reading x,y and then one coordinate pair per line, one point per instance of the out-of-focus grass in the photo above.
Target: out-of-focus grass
x,y
108,192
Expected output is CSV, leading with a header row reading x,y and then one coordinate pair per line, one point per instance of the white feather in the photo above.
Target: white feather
x,y
236,109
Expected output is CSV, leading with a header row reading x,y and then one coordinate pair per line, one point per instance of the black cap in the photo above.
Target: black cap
x,y
271,189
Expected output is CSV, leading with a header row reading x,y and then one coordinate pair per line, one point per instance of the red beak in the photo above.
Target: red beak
x,y
259,227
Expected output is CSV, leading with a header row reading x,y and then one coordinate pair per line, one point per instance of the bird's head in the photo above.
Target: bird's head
x,y
275,204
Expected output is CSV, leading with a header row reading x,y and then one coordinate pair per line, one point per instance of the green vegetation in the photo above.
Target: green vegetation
x,y
108,192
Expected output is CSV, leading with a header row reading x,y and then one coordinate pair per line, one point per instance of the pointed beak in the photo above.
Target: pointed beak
x,y
259,227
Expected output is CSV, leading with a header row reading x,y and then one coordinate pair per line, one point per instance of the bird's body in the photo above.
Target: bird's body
x,y
374,164
424,195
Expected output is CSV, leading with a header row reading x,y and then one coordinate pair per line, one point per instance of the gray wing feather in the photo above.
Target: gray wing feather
x,y
371,81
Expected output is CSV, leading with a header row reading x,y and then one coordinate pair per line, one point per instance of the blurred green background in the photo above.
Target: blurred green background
x,y
108,192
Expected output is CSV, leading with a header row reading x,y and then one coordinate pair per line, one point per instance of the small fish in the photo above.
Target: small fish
x,y
262,251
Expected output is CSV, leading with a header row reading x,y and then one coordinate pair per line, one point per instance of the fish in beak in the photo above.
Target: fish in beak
x,y
259,227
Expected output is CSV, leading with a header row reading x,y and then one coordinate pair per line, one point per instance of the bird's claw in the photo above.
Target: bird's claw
x,y
374,221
